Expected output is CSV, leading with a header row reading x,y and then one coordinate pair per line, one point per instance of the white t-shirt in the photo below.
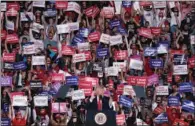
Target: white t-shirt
x,y
173,19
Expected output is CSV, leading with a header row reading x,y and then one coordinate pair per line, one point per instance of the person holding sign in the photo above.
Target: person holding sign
x,y
18,119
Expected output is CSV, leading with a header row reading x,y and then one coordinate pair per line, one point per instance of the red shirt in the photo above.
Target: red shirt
x,y
21,122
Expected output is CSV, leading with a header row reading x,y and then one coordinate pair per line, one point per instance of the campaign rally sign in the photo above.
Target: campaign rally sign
x,y
19,65
84,32
28,49
78,95
122,30
12,38
63,28
162,49
125,101
9,57
102,52
72,80
136,64
89,11
128,90
23,16
73,6
156,63
108,12
3,6
185,87
39,4
3,34
180,69
120,119
78,58
126,4
121,55
115,40
150,51
20,100
61,4
162,118
173,101
77,39
180,59
155,30
35,84
111,71
67,50
105,38
74,26
120,65
153,79
8,66
94,36
145,32
97,67
159,4
96,11
50,13
141,81
57,77
59,107
38,60
5,81
114,23
86,80
162,90
188,106
5,122
41,100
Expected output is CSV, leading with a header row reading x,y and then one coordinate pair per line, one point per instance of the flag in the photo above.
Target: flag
x,y
188,106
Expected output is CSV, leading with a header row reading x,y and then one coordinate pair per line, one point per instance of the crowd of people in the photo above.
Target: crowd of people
x,y
92,63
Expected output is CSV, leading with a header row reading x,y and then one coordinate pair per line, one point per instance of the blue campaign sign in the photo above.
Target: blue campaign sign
x,y
173,101
162,118
102,52
150,51
5,122
188,106
180,59
72,80
156,63
84,32
20,65
114,23
185,87
126,4
126,102
121,30
77,39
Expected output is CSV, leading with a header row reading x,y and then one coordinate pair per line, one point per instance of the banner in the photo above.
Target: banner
x,y
89,11
73,26
5,122
150,51
5,81
120,65
77,39
73,6
8,66
191,62
162,90
162,118
185,87
57,77
3,6
78,95
63,28
50,13
173,101
192,39
132,80
180,70
61,4
125,101
94,36
96,11
145,32
162,49
114,23
87,89
115,40
136,64
120,55
78,58
188,106
126,4
29,49
87,55
10,25
140,122
39,4
38,60
153,79
120,119
102,52
67,50
11,12
105,38
141,81
9,57
23,16
72,80
159,4
155,30
20,100
41,100
156,63
108,12
20,65
59,107
83,46
35,84
173,52
84,32
12,38
128,90
122,30
92,80
145,3
112,71
180,59
98,67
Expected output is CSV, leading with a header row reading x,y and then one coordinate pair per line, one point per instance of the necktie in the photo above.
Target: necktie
x,y
99,105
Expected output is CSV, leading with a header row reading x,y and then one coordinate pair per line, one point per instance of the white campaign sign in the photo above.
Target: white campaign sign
x,y
78,94
23,16
128,90
38,3
29,49
192,39
159,4
83,46
73,26
114,40
37,26
20,100
64,28
41,100
136,64
38,44
120,65
118,6
10,25
162,90
180,69
3,6
162,49
112,71
78,57
38,60
105,38
73,6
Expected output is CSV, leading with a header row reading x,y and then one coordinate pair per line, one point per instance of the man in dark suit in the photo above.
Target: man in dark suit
x,y
98,101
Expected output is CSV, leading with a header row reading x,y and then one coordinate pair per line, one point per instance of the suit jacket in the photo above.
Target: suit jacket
x,y
105,104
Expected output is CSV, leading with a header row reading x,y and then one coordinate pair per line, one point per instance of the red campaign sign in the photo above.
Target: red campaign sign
x,y
87,55
173,52
158,110
132,80
191,62
120,119
66,50
11,12
89,11
96,11
61,4
120,89
9,57
180,122
14,6
12,38
155,30
108,12
87,90
12,94
57,77
92,80
141,81
3,34
145,32
169,78
121,55
145,3
95,36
